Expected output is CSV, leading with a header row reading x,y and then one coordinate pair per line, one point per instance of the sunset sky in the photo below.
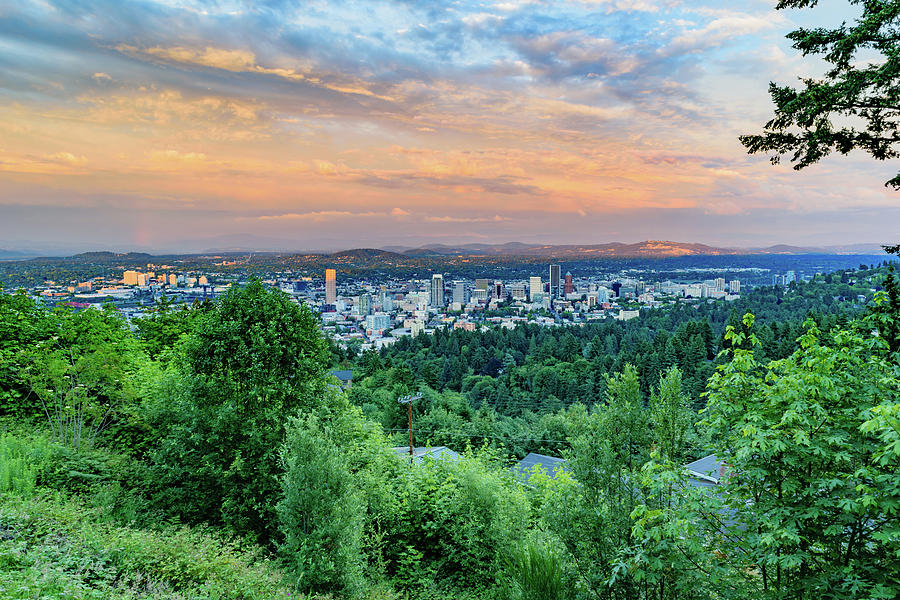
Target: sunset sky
x,y
149,125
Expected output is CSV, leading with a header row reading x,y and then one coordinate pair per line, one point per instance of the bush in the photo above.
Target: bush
x,y
457,520
51,548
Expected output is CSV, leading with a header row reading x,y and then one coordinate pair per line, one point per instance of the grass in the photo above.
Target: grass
x,y
56,548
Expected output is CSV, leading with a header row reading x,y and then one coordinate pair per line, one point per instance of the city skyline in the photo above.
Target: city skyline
x,y
155,124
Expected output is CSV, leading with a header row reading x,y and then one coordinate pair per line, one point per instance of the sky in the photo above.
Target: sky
x,y
174,124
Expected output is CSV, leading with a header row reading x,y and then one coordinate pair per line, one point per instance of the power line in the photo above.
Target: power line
x,y
478,435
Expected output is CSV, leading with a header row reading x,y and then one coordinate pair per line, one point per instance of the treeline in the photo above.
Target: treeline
x,y
219,428
511,386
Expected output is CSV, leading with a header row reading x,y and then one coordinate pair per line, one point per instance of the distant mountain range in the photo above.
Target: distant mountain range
x,y
646,249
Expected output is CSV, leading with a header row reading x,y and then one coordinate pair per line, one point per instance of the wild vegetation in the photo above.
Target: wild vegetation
x,y
207,453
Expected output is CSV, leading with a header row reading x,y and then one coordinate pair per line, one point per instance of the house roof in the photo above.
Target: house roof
x,y
420,452
706,471
551,464
343,375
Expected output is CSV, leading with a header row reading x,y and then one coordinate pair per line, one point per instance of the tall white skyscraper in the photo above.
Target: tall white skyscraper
x,y
330,286
535,287
437,290
554,281
734,286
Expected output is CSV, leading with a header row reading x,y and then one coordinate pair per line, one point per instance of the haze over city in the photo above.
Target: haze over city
x,y
334,125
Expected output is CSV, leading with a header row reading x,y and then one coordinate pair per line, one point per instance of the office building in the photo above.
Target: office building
x,y
365,305
173,280
535,287
330,286
377,322
459,292
482,289
517,291
734,286
720,284
554,281
437,290
130,278
569,285
498,292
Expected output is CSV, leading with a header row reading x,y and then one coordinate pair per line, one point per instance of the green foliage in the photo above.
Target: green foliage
x,y
22,324
252,361
536,572
812,487
162,327
809,123
454,523
55,549
321,513
82,375
671,416
21,461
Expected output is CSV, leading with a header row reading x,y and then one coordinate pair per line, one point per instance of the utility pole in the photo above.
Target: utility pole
x,y
408,400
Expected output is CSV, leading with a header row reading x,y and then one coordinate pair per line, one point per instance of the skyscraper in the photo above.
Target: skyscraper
x,y
459,292
735,286
569,286
437,290
720,284
554,281
535,287
365,305
330,286
482,289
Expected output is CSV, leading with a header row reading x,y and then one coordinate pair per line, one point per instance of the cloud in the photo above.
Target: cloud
x,y
319,216
451,219
66,157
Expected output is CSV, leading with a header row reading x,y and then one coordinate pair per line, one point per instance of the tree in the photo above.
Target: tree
x,y
83,374
670,415
810,123
321,512
252,361
812,481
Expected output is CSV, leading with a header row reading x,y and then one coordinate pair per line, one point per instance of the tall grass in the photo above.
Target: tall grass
x,y
535,572
21,459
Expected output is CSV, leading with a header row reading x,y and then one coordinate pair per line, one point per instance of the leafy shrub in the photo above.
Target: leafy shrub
x,y
58,549
458,519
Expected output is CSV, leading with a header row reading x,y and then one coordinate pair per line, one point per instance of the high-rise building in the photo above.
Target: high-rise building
x,y
554,281
535,287
365,305
517,291
130,278
720,284
459,292
482,289
499,291
569,285
330,286
437,290
790,277
734,286
173,279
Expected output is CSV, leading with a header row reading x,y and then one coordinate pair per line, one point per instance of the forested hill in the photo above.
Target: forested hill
x,y
207,453
521,377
